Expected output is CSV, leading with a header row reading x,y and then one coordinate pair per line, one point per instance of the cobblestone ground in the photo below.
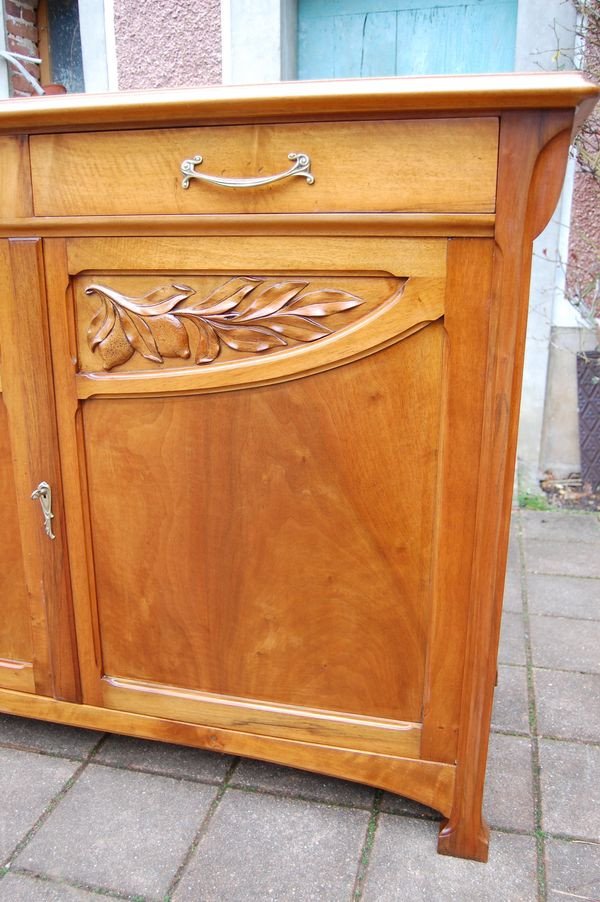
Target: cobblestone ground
x,y
84,815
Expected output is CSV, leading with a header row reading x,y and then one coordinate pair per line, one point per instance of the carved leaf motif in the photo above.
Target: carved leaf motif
x,y
323,303
226,297
248,314
298,328
208,343
156,302
101,325
246,338
139,335
272,299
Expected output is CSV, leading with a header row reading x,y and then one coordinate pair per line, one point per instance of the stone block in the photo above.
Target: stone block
x,y
512,639
314,787
259,847
164,758
508,800
570,788
511,705
564,596
564,644
405,867
568,704
69,742
119,830
573,870
28,783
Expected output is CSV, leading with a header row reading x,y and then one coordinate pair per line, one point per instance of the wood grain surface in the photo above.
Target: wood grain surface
x,y
426,225
15,178
358,732
298,101
304,519
444,165
15,622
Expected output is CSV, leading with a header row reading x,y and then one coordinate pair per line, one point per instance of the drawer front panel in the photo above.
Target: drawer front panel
x,y
441,165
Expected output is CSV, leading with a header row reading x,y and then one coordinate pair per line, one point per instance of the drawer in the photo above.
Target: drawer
x,y
439,165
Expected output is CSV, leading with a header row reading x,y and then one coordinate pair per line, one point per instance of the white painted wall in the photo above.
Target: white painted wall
x,y
258,40
4,81
545,40
96,25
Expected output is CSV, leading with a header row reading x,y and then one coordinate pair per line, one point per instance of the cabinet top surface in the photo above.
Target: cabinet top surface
x,y
433,95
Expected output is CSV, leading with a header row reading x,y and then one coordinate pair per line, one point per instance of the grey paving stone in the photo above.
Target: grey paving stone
x,y
405,865
573,870
287,781
570,788
260,847
512,600
564,644
28,783
569,558
47,737
393,804
163,758
508,800
568,704
121,830
513,561
512,639
511,706
564,596
563,526
22,888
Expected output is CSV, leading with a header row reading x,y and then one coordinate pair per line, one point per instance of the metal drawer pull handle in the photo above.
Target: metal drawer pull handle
x,y
301,167
43,494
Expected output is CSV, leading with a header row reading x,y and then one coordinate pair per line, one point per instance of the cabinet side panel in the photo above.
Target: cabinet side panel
x,y
273,543
466,319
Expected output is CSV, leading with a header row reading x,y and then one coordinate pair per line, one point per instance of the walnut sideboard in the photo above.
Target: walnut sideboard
x,y
261,354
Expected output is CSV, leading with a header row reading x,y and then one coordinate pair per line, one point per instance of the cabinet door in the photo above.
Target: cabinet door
x,y
16,644
252,431
37,646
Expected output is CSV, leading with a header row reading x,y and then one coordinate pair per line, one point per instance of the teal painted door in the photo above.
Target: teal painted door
x,y
360,38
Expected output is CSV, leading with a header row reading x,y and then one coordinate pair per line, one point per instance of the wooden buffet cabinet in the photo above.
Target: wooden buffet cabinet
x,y
276,416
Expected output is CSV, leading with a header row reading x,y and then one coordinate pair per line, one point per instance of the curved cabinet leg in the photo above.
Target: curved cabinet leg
x,y
464,837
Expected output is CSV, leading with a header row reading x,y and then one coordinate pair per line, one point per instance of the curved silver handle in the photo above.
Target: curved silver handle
x,y
43,494
301,167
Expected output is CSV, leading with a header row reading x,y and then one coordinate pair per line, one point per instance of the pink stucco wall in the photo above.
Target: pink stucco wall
x,y
583,273
174,43
584,244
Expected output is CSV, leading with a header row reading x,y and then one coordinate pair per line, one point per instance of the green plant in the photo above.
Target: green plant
x,y
533,502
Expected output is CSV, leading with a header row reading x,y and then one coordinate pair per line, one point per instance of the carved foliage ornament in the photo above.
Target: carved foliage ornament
x,y
250,315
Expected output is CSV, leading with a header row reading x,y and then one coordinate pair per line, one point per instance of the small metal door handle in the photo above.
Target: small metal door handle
x,y
43,494
301,167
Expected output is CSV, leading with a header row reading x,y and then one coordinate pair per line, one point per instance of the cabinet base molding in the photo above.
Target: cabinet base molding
x,y
365,734
428,782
